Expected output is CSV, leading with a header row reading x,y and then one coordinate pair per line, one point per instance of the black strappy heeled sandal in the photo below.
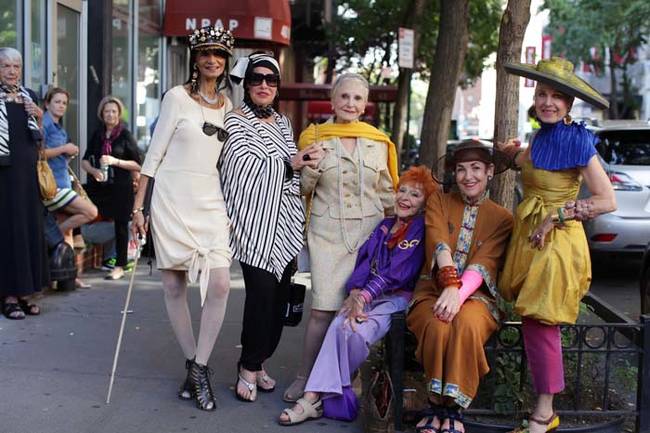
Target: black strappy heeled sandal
x,y
453,415
186,391
200,379
430,414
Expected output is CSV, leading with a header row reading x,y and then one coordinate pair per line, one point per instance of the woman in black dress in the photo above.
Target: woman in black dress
x,y
23,256
112,158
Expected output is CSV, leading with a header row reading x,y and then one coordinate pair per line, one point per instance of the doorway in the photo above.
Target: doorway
x,y
69,68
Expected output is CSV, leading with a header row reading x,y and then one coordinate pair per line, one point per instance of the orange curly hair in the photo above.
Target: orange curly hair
x,y
419,174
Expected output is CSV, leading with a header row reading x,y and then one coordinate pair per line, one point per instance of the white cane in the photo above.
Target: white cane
x,y
141,242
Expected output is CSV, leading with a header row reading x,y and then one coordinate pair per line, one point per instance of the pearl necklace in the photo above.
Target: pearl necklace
x,y
211,101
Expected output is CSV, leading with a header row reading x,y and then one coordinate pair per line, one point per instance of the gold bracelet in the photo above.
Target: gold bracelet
x,y
136,210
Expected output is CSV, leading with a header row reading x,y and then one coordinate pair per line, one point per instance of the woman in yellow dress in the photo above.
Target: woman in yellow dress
x,y
547,269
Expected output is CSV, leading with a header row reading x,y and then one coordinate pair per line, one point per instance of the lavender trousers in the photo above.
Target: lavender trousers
x,y
543,345
344,350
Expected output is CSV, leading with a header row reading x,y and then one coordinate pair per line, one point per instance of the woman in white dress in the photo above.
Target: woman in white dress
x,y
189,224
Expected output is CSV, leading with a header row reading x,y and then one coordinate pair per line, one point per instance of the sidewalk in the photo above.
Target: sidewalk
x,y
55,367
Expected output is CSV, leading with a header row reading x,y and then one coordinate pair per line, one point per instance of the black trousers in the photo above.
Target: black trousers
x,y
266,300
121,242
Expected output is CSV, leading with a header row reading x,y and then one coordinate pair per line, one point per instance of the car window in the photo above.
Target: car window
x,y
625,147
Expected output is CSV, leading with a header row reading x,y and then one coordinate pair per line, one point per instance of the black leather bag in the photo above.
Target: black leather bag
x,y
293,311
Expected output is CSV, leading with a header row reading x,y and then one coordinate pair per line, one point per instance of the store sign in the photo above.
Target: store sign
x,y
530,59
405,48
263,28
546,46
197,23
266,20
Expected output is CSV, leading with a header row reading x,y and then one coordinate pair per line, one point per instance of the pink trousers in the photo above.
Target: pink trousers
x,y
543,345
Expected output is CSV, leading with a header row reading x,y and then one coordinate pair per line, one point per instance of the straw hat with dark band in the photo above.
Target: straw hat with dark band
x,y
558,73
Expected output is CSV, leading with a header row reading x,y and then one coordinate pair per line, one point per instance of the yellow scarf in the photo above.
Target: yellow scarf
x,y
327,131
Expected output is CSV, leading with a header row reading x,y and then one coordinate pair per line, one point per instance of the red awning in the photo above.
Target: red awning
x,y
264,20
321,92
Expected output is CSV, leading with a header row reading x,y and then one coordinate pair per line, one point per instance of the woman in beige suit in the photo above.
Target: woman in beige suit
x,y
350,192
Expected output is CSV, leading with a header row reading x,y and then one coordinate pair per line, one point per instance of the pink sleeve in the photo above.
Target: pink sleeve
x,y
471,281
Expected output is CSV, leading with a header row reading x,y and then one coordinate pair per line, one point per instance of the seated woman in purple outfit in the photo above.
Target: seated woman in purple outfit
x,y
382,283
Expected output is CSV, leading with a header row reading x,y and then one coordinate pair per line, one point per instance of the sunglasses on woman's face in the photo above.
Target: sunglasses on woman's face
x,y
255,79
210,129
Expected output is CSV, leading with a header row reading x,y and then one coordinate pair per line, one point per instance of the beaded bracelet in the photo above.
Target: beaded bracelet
x,y
365,295
136,210
447,276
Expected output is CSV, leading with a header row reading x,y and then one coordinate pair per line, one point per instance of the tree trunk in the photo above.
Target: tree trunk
x,y
511,36
613,94
451,47
400,109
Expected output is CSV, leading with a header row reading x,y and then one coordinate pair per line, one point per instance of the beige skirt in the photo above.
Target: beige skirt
x,y
330,261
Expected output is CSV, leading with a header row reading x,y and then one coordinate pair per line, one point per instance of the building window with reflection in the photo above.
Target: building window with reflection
x,y
148,71
9,24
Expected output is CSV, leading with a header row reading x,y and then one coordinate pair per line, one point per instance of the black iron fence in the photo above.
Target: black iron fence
x,y
607,370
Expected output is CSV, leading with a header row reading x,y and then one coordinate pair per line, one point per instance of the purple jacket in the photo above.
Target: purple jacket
x,y
379,270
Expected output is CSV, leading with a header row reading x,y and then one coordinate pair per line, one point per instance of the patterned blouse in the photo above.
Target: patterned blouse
x,y
262,196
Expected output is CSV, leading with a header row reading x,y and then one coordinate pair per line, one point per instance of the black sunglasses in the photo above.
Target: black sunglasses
x,y
255,79
210,129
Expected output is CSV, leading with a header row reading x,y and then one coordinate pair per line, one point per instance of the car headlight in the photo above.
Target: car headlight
x,y
623,182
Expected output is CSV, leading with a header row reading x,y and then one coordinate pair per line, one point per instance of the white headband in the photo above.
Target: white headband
x,y
238,72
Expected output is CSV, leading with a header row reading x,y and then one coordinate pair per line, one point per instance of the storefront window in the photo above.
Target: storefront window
x,y
67,67
148,70
121,72
9,23
38,45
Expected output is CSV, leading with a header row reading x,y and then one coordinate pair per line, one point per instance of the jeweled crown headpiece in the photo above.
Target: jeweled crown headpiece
x,y
212,37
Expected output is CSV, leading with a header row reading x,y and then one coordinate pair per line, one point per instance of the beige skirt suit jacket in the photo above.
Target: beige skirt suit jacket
x,y
351,193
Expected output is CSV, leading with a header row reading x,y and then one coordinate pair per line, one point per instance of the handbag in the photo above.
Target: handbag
x,y
295,304
344,407
76,185
303,256
46,181
379,404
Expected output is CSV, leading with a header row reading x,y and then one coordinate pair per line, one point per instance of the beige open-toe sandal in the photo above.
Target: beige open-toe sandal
x,y
309,411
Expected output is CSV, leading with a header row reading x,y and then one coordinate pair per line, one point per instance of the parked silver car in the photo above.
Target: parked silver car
x,y
624,149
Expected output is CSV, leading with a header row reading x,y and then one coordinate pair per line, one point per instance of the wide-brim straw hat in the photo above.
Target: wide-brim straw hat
x,y
558,73
473,149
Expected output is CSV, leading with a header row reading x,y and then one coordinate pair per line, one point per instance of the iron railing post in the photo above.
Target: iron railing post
x,y
395,350
643,388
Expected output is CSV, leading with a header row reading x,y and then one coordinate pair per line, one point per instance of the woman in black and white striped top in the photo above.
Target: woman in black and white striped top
x,y
261,186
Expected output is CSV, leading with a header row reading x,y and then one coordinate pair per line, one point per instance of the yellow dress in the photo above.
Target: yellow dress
x,y
546,285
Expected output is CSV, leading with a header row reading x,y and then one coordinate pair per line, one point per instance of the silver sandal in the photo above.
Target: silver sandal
x,y
252,387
